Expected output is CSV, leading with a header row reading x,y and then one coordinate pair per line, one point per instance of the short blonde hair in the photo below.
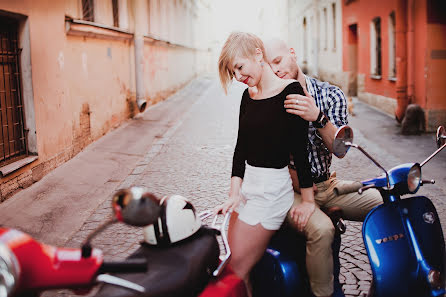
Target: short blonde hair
x,y
238,43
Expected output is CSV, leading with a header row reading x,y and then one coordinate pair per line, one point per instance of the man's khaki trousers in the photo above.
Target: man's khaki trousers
x,y
319,230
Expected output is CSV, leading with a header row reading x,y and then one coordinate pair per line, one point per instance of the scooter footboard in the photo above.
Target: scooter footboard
x,y
396,256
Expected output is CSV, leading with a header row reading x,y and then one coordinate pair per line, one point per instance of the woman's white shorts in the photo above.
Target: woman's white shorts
x,y
267,195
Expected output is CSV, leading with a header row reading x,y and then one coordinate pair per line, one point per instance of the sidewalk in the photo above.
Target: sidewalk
x,y
53,209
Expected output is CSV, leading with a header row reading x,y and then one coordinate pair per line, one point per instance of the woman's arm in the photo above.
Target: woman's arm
x,y
298,134
239,157
299,149
238,167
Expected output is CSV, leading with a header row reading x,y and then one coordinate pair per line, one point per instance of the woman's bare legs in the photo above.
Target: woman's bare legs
x,y
248,243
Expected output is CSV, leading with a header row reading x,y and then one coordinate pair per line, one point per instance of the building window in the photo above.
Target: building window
x,y
306,41
375,47
392,49
325,28
88,10
12,131
333,10
115,6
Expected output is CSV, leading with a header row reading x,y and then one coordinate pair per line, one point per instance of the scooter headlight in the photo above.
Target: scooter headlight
x,y
414,178
9,271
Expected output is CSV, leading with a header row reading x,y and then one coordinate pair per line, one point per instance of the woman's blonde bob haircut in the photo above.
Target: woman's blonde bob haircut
x,y
238,44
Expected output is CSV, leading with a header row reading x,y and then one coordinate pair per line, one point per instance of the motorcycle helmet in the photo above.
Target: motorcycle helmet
x,y
177,221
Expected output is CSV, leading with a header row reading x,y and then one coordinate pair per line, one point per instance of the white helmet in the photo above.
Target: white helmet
x,y
176,222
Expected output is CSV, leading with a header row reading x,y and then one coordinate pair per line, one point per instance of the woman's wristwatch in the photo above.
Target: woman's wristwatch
x,y
321,120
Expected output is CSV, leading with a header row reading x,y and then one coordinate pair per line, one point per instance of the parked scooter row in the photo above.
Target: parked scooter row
x,y
181,257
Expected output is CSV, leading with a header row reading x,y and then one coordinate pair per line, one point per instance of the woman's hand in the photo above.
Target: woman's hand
x,y
234,197
301,214
230,204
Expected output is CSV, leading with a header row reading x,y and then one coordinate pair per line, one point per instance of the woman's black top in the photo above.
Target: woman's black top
x,y
267,134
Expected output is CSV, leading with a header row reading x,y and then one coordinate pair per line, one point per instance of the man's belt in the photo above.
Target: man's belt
x,y
321,178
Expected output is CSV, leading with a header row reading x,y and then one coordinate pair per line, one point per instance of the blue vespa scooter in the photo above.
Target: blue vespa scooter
x,y
281,272
403,237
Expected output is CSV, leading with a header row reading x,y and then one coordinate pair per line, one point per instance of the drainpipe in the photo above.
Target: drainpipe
x,y
401,59
411,51
138,9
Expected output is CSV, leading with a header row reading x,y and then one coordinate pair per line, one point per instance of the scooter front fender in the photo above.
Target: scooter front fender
x,y
395,262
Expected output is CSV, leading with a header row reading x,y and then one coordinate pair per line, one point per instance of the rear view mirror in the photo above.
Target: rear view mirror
x,y
342,141
135,206
441,136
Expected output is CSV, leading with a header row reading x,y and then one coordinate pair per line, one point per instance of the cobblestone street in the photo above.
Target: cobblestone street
x,y
194,159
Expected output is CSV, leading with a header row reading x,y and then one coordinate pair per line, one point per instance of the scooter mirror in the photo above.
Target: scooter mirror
x,y
441,136
342,141
136,206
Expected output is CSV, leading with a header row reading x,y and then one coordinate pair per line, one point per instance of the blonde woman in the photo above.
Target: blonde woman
x,y
261,189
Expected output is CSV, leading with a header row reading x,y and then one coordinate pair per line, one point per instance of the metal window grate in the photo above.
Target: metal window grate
x,y
88,10
12,132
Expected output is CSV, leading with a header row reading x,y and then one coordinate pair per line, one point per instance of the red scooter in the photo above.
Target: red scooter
x,y
191,266
28,267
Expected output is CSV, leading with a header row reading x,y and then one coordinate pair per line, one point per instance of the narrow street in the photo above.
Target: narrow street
x,y
193,158
98,96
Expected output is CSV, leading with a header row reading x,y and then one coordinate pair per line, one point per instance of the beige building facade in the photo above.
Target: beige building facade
x,y
315,33
72,70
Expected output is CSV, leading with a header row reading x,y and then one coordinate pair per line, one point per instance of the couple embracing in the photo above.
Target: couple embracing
x,y
281,160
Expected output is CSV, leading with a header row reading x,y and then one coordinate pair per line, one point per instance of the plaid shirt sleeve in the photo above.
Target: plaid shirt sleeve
x,y
337,107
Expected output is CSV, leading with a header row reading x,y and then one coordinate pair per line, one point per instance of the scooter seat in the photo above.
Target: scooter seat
x,y
181,269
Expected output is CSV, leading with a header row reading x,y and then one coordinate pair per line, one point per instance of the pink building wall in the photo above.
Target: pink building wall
x,y
82,80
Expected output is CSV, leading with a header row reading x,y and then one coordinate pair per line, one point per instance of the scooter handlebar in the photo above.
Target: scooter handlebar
x,y
127,266
347,188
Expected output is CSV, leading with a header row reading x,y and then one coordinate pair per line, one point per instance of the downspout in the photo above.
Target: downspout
x,y
138,9
401,59
411,52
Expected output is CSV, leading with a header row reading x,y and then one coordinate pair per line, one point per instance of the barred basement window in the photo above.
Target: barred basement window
x,y
12,131
88,10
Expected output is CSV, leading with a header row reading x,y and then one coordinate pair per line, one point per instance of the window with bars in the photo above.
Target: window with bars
x,y
12,132
88,10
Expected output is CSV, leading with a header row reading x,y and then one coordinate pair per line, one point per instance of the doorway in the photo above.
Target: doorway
x,y
353,60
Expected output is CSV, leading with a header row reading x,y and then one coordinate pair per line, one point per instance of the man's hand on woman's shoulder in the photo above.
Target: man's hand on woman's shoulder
x,y
303,106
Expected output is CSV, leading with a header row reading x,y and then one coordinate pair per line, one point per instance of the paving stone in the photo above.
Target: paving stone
x,y
351,292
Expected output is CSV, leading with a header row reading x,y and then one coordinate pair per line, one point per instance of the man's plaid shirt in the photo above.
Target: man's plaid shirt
x,y
331,101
